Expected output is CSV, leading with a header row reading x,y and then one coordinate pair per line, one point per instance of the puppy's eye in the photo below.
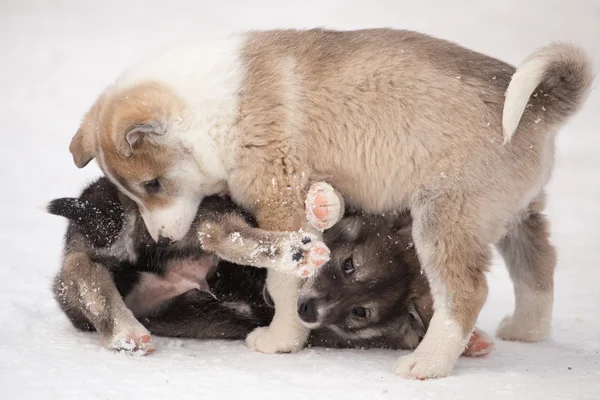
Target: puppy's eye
x,y
348,266
152,186
360,312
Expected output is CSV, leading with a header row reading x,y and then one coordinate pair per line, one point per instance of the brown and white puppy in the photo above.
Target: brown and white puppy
x,y
177,290
393,119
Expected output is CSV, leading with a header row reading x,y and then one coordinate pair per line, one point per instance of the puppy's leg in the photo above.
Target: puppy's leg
x,y
454,259
280,207
88,287
530,259
233,240
285,334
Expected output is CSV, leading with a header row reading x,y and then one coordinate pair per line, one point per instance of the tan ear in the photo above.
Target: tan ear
x,y
83,144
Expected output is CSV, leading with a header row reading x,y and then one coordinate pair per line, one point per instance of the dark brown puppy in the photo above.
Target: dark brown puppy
x,y
110,259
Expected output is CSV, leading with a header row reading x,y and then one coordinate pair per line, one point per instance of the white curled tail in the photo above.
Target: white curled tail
x,y
566,73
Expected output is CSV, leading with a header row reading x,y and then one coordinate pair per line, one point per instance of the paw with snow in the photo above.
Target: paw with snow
x,y
130,338
304,254
271,340
523,331
324,206
480,344
424,365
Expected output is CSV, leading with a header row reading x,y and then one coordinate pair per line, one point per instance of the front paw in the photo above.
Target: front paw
x,y
271,340
424,365
324,206
305,255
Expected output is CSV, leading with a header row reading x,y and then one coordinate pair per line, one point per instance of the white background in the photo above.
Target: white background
x,y
56,57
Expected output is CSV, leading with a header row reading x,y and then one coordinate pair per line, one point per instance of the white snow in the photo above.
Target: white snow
x,y
56,57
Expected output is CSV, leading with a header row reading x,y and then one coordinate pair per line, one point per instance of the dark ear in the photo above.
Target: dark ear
x,y
401,223
136,133
348,229
68,207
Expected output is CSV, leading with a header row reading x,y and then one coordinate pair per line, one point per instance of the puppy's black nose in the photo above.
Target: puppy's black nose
x,y
307,311
163,241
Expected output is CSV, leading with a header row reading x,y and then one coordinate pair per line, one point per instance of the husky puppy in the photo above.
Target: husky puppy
x,y
179,290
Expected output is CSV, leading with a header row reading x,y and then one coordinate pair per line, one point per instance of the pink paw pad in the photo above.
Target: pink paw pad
x,y
324,206
316,255
480,344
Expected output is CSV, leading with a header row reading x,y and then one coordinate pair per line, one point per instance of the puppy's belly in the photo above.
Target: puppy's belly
x,y
182,275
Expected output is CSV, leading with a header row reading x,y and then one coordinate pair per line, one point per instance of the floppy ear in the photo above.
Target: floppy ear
x,y
134,135
83,144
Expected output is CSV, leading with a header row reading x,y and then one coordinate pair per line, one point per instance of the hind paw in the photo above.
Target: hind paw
x,y
324,206
522,331
480,344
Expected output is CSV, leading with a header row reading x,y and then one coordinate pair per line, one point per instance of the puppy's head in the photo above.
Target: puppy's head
x,y
373,286
139,137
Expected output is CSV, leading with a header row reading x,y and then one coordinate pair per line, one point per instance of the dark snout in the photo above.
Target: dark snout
x,y
307,310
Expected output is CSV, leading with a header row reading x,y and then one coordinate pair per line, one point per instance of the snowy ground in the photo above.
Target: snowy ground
x,y
57,55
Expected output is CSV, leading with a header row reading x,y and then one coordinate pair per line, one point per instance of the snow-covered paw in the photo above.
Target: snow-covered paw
x,y
270,341
480,344
324,206
306,254
522,331
421,365
132,338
